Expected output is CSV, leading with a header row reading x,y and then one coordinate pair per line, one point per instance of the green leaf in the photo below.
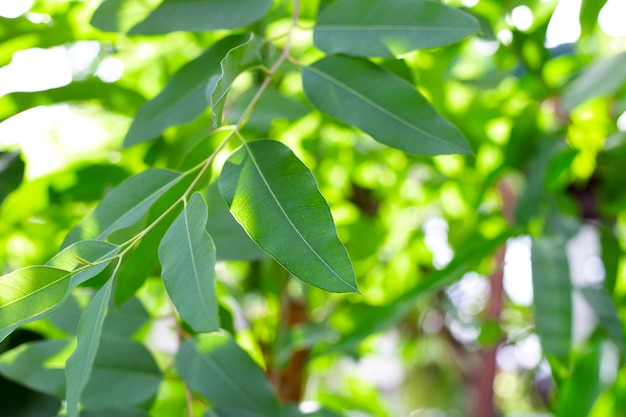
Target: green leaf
x,y
362,94
124,206
231,241
121,15
113,412
275,198
127,379
238,60
218,369
386,28
28,292
201,15
11,172
606,313
184,96
80,364
552,290
187,255
601,78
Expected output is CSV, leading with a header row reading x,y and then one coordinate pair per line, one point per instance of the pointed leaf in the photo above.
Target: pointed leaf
x,y
362,94
68,259
219,370
552,290
124,206
275,198
30,291
184,96
584,384
387,28
238,60
80,364
201,15
187,255
601,78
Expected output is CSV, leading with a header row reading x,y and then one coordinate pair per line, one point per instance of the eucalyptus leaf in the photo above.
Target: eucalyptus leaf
x,y
552,289
387,28
184,96
80,364
121,15
218,369
11,172
124,206
27,292
201,15
275,198
187,255
244,57
583,386
358,92
606,313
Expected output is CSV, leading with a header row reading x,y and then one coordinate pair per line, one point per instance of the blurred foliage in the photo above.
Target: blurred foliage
x,y
426,234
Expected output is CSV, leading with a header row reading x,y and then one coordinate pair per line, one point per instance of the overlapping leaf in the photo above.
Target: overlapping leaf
x,y
184,96
201,15
276,199
218,369
244,57
386,28
121,15
552,290
362,94
80,364
187,256
28,292
124,206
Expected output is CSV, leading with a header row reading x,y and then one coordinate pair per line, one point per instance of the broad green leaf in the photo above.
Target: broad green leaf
x,y
68,260
231,241
201,15
238,60
28,292
121,15
187,256
184,96
368,319
589,10
125,380
218,369
601,78
11,172
606,313
80,364
582,387
232,412
275,198
360,93
611,256
552,290
124,206
386,28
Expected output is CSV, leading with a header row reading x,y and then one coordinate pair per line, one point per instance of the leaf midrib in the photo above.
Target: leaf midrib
x,y
277,201
378,107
